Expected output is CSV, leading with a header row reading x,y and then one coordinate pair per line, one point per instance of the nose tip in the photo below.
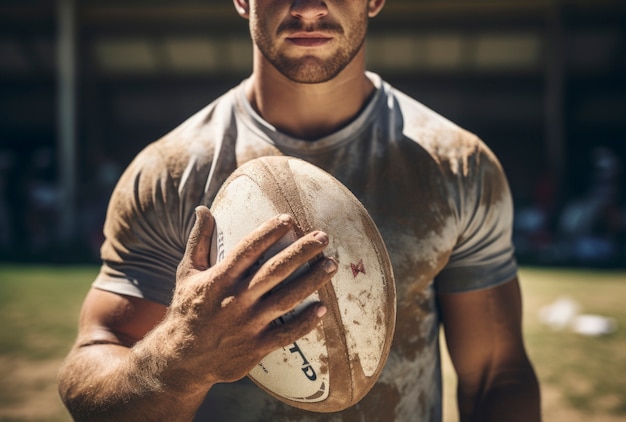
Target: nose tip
x,y
308,9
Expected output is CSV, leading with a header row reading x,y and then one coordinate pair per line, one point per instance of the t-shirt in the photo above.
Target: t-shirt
x,y
436,192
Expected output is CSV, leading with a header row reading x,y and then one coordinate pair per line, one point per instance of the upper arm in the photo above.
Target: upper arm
x,y
483,330
149,217
110,318
483,327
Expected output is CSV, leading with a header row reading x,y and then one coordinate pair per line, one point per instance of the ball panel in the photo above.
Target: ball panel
x,y
233,201
360,283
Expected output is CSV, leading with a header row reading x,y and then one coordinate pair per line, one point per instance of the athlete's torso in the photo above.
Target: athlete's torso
x,y
436,193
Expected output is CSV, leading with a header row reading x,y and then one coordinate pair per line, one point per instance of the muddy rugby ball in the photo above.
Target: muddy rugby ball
x,y
335,365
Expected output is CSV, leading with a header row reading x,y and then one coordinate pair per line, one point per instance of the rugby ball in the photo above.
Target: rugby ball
x,y
335,365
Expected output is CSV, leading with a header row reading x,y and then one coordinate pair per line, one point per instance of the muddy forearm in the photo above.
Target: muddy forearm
x,y
146,382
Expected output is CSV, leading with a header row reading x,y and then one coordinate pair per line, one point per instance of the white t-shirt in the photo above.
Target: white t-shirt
x,y
437,194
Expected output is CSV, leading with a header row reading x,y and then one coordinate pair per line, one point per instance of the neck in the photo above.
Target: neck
x,y
308,111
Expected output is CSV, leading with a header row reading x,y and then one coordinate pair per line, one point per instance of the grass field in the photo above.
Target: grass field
x,y
583,378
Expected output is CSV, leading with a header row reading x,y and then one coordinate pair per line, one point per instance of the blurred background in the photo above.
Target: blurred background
x,y
84,85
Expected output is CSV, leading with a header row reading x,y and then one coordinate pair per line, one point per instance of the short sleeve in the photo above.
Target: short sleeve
x,y
484,253
148,220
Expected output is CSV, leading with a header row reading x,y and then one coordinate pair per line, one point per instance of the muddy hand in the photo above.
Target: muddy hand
x,y
227,315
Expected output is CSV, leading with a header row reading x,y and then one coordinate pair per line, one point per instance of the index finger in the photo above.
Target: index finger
x,y
250,249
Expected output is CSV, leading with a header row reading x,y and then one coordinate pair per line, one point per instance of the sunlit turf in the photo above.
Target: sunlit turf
x,y
590,372
39,307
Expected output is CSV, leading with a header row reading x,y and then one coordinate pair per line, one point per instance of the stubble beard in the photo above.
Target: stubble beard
x,y
311,69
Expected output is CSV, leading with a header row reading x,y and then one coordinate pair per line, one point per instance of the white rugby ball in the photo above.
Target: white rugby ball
x,y
335,365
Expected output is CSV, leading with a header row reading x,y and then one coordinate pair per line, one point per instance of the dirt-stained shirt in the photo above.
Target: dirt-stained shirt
x,y
436,192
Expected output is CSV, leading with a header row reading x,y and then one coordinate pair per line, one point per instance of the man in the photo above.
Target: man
x,y
164,337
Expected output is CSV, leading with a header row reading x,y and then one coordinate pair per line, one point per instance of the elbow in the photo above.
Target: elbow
x,y
511,393
73,392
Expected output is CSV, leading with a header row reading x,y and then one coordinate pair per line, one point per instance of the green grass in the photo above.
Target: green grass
x,y
39,307
583,378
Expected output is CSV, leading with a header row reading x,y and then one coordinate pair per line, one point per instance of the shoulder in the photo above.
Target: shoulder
x,y
457,152
449,145
189,148
464,162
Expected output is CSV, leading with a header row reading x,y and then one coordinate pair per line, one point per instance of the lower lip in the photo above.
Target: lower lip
x,y
309,42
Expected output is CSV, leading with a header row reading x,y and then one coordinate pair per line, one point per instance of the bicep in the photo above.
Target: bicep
x,y
111,318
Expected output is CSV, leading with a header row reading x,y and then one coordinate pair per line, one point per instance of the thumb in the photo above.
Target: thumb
x,y
199,243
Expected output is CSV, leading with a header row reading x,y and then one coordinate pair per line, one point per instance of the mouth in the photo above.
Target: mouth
x,y
308,39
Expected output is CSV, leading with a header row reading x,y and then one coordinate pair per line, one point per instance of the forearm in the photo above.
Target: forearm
x,y
104,381
511,395
138,360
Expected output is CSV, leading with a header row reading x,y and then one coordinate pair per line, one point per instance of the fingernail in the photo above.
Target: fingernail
x,y
321,237
284,218
321,311
330,265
